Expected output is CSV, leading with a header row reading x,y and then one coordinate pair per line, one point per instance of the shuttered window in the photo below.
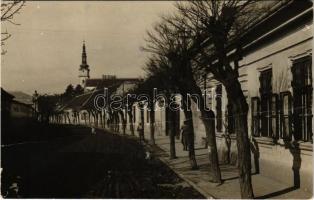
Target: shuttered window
x,y
274,114
302,99
285,116
255,108
266,103
230,119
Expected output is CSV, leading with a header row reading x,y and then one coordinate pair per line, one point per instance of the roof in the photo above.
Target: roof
x,y
77,102
23,104
90,104
5,94
282,18
277,23
86,100
101,83
22,97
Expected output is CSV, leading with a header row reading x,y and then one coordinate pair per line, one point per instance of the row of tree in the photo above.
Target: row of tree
x,y
48,104
194,41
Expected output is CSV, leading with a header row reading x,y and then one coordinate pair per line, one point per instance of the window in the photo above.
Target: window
x,y
302,99
230,119
255,107
16,108
285,116
274,115
219,108
266,103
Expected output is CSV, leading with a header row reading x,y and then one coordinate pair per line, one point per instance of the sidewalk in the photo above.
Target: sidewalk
x,y
263,187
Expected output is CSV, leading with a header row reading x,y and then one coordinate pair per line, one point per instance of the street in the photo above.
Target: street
x,y
82,165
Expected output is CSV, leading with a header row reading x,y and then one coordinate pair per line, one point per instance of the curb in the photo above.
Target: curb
x,y
191,183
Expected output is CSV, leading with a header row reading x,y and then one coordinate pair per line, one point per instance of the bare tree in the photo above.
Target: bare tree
x,y
8,10
157,77
175,48
223,23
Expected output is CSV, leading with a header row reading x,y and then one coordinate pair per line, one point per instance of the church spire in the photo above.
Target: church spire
x,y
84,67
84,57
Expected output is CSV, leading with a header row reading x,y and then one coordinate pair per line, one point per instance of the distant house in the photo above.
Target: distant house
x,y
15,116
22,97
15,107
21,110
6,102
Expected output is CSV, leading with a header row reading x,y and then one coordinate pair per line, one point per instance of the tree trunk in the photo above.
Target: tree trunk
x,y
118,122
104,119
167,127
152,123
123,120
240,107
142,119
172,133
89,123
96,119
101,120
131,121
189,119
208,118
69,119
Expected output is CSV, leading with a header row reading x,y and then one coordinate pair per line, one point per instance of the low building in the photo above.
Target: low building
x,y
6,104
21,110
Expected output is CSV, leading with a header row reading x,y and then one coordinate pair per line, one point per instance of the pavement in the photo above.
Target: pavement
x,y
263,187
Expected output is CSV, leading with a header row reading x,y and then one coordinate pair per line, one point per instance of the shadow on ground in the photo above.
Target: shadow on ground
x,y
81,165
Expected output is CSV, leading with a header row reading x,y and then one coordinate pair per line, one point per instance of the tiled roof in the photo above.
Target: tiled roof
x,y
89,104
22,97
5,94
77,102
106,83
86,101
22,103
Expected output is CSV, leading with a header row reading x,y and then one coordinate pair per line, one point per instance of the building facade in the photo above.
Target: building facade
x,y
276,77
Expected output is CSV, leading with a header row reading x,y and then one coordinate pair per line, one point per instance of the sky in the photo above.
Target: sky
x,y
44,52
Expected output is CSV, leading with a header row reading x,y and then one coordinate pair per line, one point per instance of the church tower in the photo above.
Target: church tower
x,y
84,68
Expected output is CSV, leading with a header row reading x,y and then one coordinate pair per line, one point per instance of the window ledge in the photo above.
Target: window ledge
x,y
222,135
306,146
265,140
